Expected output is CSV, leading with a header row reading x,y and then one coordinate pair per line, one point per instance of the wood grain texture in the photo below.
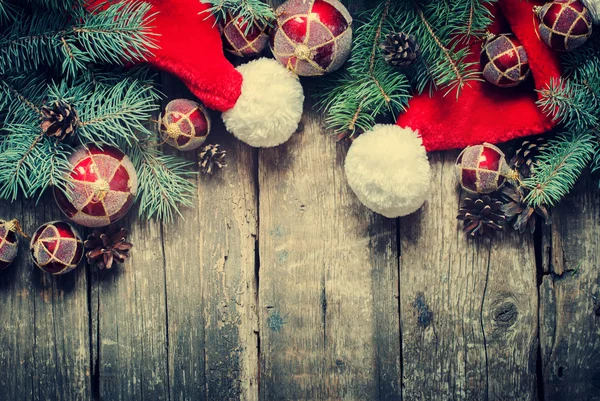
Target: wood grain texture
x,y
468,307
44,337
328,279
570,299
211,283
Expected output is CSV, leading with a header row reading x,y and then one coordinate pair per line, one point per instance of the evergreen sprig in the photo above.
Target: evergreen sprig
x,y
558,168
117,34
250,12
368,88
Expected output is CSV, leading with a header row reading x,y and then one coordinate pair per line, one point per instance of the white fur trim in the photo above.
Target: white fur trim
x,y
270,107
388,170
594,7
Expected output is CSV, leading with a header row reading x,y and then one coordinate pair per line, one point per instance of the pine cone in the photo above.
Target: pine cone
x,y
107,245
400,49
481,215
212,157
60,120
518,212
525,157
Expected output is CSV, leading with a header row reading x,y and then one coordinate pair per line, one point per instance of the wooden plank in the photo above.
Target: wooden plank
x,y
210,277
570,299
328,279
468,308
44,335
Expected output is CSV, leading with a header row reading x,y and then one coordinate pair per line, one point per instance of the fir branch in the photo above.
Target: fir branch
x,y
163,182
249,12
118,34
558,167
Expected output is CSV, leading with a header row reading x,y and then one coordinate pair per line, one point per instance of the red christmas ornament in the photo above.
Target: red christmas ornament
x,y
56,248
504,61
185,125
564,24
312,37
482,169
9,242
244,41
104,185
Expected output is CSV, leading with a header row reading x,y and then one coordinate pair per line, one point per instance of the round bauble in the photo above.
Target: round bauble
x,y
388,170
482,169
56,248
312,37
9,242
504,61
103,186
593,7
244,41
564,24
270,107
185,124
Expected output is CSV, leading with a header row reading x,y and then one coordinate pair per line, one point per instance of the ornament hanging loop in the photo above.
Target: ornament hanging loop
x,y
15,226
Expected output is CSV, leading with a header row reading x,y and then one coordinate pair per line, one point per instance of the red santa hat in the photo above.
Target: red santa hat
x,y
482,113
261,101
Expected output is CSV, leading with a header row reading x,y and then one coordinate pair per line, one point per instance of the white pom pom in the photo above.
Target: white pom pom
x,y
270,106
594,7
388,170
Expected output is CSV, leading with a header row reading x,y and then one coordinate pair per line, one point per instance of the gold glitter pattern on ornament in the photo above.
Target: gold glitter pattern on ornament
x,y
482,169
9,243
56,248
244,42
185,124
312,38
564,25
505,62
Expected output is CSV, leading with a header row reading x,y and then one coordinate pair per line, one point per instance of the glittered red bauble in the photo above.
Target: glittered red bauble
x,y
504,61
185,124
482,168
244,41
564,24
56,248
9,243
104,185
312,37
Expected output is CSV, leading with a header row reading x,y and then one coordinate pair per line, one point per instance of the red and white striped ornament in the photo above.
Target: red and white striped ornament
x,y
104,185
56,248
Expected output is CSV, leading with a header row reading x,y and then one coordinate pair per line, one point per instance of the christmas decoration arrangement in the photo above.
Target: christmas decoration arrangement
x,y
78,107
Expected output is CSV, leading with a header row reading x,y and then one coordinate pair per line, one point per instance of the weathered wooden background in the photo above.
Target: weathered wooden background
x,y
279,285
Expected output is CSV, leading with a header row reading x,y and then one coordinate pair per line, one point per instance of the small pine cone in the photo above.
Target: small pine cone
x,y
518,212
212,157
60,120
400,49
527,154
482,215
107,245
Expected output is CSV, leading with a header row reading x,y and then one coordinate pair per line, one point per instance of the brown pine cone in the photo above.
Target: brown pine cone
x,y
60,120
212,157
400,49
526,156
107,245
482,215
518,212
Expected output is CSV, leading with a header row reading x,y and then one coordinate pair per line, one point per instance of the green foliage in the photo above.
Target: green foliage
x,y
558,168
74,39
368,88
55,50
574,101
250,11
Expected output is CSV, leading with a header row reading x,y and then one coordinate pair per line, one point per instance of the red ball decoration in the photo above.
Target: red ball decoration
x,y
56,248
312,37
9,242
104,185
482,169
504,61
244,41
185,124
564,24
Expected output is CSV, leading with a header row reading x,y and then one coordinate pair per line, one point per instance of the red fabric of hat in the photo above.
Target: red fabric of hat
x,y
484,112
261,101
